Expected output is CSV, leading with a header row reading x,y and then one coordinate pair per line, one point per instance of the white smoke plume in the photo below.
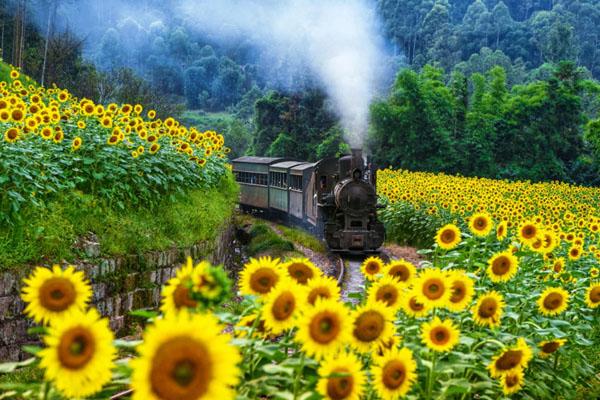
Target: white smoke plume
x,y
337,40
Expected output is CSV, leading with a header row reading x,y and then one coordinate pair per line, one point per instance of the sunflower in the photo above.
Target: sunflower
x,y
439,335
17,115
324,328
512,381
511,359
341,377
79,355
56,293
260,276
480,224
431,287
558,265
594,272
151,114
11,135
372,325
47,133
154,148
247,324
322,287
461,289
448,237
185,356
402,270
301,270
176,293
548,347
14,74
575,252
528,232
76,144
553,301
387,290
502,266
282,306
488,310
501,230
371,267
394,373
592,295
412,306
81,124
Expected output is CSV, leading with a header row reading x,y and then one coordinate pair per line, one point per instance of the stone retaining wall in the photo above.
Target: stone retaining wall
x,y
119,284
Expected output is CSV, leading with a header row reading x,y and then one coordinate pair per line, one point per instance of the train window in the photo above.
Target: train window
x,y
296,182
279,179
251,178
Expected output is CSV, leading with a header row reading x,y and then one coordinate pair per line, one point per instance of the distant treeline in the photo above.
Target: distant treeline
x,y
477,126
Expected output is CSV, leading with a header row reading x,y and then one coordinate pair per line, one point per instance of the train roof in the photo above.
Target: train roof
x,y
303,166
258,160
286,164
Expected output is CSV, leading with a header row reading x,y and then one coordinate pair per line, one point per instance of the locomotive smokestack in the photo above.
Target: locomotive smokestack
x,y
357,159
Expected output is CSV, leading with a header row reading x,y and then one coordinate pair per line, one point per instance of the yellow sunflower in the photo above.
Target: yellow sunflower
x,y
55,293
76,144
512,381
462,289
176,293
553,301
185,356
282,306
341,377
394,373
387,290
79,355
528,232
501,230
402,270
448,237
575,252
371,267
548,347
592,295
480,224
502,266
372,325
511,359
412,307
439,335
322,287
324,329
488,310
260,276
431,287
301,270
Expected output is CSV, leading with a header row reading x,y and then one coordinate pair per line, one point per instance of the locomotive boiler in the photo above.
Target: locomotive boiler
x,y
333,198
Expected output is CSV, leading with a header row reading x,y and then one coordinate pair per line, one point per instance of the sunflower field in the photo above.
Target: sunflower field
x,y
53,142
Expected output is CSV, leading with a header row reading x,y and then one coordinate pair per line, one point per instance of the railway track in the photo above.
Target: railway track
x,y
349,277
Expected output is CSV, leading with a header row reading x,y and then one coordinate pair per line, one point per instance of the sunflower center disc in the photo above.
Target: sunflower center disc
x,y
553,301
595,294
500,266
263,280
181,297
372,267
284,306
433,289
550,347
57,294
458,292
394,374
341,387
400,272
509,360
318,293
76,348
324,328
300,272
181,369
388,294
487,308
439,336
448,236
415,305
368,326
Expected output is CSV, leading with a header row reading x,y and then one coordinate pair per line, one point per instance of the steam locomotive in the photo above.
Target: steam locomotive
x,y
333,198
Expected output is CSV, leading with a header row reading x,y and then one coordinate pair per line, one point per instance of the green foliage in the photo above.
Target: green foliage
x,y
264,239
236,132
532,131
52,232
404,224
296,235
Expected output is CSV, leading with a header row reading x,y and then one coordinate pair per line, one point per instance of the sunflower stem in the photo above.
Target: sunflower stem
x,y
555,360
298,374
431,376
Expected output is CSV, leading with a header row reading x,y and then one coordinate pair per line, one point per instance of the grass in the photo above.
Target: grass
x,y
297,235
265,240
50,234
5,77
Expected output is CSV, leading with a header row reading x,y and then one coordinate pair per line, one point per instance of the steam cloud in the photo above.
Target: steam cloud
x,y
337,40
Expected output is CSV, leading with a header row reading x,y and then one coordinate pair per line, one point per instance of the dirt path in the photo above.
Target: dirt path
x,y
395,251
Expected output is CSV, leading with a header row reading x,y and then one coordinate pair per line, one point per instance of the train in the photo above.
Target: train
x,y
333,198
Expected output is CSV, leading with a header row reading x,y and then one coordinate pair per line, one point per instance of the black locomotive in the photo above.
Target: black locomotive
x,y
334,198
